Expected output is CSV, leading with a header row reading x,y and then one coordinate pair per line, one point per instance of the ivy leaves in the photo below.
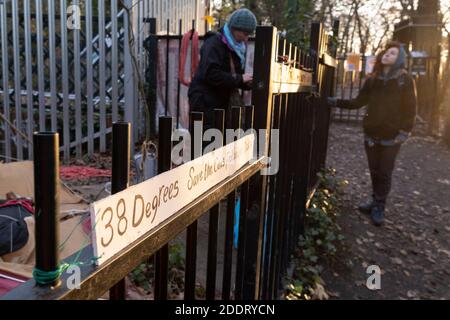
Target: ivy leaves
x,y
320,241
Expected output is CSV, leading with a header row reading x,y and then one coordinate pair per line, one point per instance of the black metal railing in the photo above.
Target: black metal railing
x,y
289,102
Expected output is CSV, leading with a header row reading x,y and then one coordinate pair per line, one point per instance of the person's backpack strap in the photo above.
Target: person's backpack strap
x,y
370,82
210,34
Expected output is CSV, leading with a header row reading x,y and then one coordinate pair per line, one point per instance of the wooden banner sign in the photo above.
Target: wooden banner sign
x,y
122,218
287,79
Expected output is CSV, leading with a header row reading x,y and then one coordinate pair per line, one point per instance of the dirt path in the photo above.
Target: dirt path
x,y
412,249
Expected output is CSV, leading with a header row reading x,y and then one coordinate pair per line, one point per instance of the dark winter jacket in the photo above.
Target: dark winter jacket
x,y
213,81
391,105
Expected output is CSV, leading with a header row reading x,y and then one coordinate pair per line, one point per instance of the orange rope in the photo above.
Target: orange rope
x,y
192,34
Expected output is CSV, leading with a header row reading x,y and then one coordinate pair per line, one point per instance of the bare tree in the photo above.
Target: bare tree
x,y
347,23
407,7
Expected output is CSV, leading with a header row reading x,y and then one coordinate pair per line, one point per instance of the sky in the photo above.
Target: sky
x,y
372,4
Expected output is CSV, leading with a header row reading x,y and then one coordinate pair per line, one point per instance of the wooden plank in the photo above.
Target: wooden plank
x,y
287,79
85,139
144,206
328,60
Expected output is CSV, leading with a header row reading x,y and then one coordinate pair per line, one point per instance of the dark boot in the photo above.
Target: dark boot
x,y
366,207
377,214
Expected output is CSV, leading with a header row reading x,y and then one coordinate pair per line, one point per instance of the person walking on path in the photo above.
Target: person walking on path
x,y
391,99
221,69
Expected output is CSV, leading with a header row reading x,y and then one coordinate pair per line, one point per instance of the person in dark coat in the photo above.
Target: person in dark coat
x,y
222,63
391,99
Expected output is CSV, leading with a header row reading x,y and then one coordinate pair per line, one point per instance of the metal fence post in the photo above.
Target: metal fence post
x,y
46,192
265,46
235,123
164,164
211,268
130,86
242,233
191,238
120,180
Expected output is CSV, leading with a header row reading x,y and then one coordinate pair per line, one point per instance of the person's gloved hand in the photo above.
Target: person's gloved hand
x,y
401,137
332,101
370,142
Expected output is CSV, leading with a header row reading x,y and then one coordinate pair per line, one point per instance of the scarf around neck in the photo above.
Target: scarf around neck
x,y
237,47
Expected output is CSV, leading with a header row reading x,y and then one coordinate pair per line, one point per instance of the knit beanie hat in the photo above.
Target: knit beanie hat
x,y
401,60
243,20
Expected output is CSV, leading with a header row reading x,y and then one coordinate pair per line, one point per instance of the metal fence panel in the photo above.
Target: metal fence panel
x,y
73,71
29,72
65,80
5,78
77,80
17,98
52,56
40,64
102,73
89,82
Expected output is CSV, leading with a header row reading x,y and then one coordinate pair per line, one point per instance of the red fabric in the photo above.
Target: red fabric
x,y
7,285
192,34
78,172
27,204
87,227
